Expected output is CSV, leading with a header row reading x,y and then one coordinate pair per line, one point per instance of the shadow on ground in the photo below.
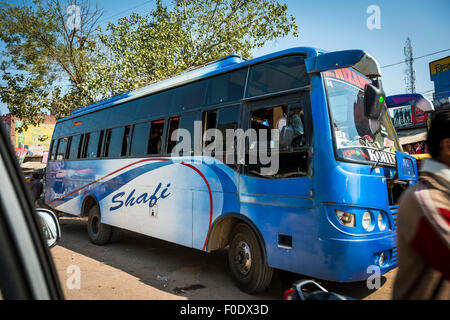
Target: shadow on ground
x,y
180,270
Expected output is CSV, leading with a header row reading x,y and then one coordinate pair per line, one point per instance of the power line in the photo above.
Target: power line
x,y
425,55
117,14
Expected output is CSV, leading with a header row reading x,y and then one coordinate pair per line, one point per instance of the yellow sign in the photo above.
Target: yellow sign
x,y
35,136
440,65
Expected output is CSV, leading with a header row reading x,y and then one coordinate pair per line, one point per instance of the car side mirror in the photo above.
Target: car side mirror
x,y
374,99
286,136
49,225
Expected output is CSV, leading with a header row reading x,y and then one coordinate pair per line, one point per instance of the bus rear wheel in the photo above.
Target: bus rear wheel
x,y
245,259
98,232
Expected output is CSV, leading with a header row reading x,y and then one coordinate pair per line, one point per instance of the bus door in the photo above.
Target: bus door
x,y
275,189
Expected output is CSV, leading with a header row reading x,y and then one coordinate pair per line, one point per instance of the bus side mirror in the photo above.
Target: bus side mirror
x,y
49,224
374,99
286,136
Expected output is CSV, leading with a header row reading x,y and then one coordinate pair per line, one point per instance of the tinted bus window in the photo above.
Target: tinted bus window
x,y
139,141
93,145
125,141
277,75
106,144
156,105
52,155
115,142
173,125
209,121
100,141
226,87
85,145
189,96
61,151
74,146
80,146
156,136
186,122
293,159
227,118
69,143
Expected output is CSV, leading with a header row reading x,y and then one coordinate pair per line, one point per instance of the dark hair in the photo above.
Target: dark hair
x,y
439,129
36,175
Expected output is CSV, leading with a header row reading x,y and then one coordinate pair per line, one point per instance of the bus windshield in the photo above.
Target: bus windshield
x,y
358,138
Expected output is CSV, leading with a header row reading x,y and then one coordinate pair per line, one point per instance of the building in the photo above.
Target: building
x,y
33,141
409,113
440,75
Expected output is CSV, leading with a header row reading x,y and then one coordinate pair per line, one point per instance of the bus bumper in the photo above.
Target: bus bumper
x,y
347,260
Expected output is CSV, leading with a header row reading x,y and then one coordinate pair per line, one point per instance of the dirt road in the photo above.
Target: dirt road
x,y
141,267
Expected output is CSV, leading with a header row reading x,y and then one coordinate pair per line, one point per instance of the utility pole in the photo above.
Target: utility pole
x,y
410,76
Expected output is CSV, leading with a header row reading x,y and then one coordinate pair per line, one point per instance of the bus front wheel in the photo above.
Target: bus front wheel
x,y
245,258
98,232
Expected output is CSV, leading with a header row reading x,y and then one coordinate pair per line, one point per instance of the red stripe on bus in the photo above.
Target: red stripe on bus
x,y
145,160
109,174
210,200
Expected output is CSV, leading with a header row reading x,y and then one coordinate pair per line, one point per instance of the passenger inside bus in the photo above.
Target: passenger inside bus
x,y
292,159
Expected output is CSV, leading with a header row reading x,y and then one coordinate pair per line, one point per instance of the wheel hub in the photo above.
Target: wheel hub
x,y
243,257
94,224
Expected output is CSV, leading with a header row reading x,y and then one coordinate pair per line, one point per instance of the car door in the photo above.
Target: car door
x,y
26,267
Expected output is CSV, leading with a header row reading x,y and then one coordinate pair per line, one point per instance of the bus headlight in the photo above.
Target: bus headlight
x,y
382,221
382,259
345,218
367,221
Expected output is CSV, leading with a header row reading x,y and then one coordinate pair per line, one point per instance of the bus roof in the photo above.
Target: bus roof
x,y
222,65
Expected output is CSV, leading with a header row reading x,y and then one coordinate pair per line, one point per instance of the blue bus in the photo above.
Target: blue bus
x,y
327,210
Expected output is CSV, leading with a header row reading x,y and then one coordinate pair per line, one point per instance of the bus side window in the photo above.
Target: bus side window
x,y
80,147
267,120
52,154
222,119
227,118
155,138
85,145
107,142
277,75
187,123
100,142
61,151
293,159
69,143
139,140
125,141
115,142
92,145
209,121
173,125
74,147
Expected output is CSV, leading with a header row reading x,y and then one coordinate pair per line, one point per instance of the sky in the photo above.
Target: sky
x,y
342,24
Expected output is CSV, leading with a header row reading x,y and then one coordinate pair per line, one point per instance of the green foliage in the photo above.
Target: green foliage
x,y
142,49
59,70
44,62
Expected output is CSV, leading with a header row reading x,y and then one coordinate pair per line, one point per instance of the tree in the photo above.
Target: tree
x,y
48,66
141,49
45,60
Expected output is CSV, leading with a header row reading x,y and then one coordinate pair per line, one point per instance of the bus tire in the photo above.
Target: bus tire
x,y
245,259
98,232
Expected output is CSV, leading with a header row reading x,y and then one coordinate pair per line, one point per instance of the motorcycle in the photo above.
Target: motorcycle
x,y
298,292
